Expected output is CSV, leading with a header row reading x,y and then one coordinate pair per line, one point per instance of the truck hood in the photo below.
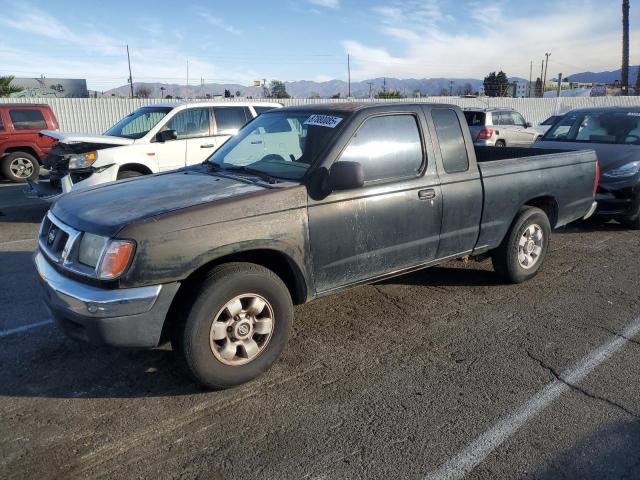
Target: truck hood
x,y
107,208
86,138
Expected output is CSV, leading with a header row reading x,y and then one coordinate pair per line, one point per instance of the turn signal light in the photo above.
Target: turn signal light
x,y
116,259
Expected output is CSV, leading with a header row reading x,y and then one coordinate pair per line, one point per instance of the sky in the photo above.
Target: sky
x,y
241,41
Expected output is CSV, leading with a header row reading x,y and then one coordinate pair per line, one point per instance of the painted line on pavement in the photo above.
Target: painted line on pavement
x,y
476,452
12,242
24,328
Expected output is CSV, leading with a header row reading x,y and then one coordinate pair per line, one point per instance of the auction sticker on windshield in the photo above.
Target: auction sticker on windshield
x,y
323,121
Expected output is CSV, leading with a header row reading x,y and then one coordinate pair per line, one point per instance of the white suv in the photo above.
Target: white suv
x,y
152,139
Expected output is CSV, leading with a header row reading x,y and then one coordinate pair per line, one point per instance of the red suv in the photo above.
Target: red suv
x,y
22,150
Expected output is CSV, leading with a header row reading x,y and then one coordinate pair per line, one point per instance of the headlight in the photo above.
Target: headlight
x,y
115,259
91,247
82,160
626,170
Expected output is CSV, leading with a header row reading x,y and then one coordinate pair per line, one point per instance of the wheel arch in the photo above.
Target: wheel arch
x,y
548,204
135,167
25,149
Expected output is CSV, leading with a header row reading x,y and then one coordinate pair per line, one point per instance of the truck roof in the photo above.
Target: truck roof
x,y
17,104
606,109
350,107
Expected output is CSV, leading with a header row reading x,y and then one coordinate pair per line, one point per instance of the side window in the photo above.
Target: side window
x,y
451,140
518,121
190,123
229,119
1,124
387,147
27,119
248,115
506,118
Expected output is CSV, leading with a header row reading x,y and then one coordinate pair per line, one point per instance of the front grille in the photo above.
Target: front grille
x,y
56,239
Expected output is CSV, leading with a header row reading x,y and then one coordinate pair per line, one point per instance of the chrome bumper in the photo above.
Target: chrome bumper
x,y
122,317
91,301
591,211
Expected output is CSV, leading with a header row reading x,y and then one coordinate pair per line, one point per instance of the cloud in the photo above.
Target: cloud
x,y
419,39
218,22
325,3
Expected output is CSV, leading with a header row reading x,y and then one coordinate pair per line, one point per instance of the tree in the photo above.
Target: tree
x,y
168,97
638,81
496,85
278,89
6,88
337,95
389,94
537,90
238,93
467,89
624,80
227,94
143,92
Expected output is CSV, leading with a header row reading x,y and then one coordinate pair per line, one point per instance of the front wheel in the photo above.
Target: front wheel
x,y
20,167
236,327
522,252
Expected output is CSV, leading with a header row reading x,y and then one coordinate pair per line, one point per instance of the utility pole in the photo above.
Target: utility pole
x,y
162,89
371,85
559,84
541,75
130,77
349,74
530,75
187,94
384,85
451,88
546,65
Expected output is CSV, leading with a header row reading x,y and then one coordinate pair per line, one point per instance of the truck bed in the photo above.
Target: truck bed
x,y
559,181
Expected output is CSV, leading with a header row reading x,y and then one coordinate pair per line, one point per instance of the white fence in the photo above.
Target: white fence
x,y
95,115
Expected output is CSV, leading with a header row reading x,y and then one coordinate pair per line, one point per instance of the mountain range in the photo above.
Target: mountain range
x,y
363,89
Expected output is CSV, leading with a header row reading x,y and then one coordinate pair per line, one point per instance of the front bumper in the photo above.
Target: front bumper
x,y
131,317
618,203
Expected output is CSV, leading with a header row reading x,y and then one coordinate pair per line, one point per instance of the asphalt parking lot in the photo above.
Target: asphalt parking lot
x,y
444,373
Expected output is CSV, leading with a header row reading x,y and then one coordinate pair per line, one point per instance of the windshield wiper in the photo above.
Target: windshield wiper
x,y
252,171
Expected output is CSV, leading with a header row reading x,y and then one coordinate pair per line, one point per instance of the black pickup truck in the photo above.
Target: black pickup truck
x,y
302,202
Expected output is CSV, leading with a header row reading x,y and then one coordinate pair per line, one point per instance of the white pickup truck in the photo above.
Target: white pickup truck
x,y
151,139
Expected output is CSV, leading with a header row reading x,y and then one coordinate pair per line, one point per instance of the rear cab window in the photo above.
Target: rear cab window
x,y
27,119
388,147
451,140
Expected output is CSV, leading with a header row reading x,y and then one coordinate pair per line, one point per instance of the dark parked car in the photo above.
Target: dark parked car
x,y
22,149
214,256
614,133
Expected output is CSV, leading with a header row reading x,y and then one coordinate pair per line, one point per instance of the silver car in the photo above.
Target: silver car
x,y
499,127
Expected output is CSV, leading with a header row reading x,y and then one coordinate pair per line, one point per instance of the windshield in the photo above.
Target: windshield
x,y
279,144
137,124
551,120
617,127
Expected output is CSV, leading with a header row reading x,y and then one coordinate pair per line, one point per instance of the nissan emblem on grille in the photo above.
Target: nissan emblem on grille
x,y
52,236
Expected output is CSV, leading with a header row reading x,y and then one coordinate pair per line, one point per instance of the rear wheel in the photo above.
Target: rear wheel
x,y
20,167
501,143
236,326
521,254
633,221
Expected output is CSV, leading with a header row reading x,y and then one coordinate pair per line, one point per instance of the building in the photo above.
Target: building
x,y
51,87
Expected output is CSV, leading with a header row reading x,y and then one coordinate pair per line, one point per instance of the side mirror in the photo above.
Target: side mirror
x,y
527,125
346,175
165,135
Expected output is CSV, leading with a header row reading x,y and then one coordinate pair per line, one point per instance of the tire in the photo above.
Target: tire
x,y
500,144
20,167
510,259
128,174
217,357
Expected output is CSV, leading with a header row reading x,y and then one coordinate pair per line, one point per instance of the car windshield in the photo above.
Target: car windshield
x,y
137,124
612,127
551,120
280,144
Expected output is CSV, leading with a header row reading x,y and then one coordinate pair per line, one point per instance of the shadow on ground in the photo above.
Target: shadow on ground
x,y
612,452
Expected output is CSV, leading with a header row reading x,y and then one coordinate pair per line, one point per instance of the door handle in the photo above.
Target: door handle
x,y
426,194
256,142
207,145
